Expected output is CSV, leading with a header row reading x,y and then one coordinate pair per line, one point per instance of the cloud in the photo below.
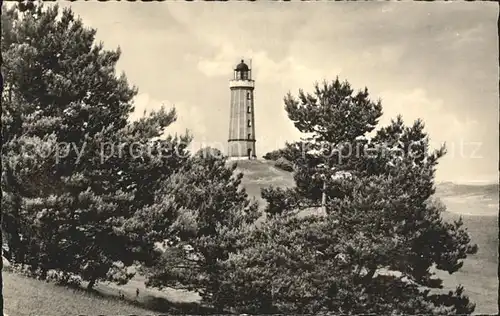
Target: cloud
x,y
441,125
385,54
289,70
188,117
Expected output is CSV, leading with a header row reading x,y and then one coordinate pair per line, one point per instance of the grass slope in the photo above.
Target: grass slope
x,y
479,274
258,174
27,296
24,296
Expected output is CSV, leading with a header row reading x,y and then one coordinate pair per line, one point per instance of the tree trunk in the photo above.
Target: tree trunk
x,y
91,284
371,272
43,274
323,197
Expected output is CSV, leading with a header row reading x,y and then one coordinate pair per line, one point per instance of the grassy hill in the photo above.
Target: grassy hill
x,y
477,205
258,174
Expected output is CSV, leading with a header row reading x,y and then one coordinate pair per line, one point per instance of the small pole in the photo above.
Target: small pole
x,y
251,69
323,196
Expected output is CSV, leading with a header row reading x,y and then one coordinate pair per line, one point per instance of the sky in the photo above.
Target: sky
x,y
435,61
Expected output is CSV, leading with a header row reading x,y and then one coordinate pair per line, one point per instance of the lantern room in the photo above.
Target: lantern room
x,y
242,71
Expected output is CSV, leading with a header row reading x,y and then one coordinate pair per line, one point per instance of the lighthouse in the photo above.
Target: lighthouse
x,y
241,142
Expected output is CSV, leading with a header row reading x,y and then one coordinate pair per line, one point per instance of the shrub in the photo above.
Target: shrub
x,y
272,155
284,164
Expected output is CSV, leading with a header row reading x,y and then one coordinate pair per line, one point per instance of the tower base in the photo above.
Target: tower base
x,y
241,158
241,149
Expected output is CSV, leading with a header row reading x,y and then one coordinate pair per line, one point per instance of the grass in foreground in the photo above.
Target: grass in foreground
x,y
26,296
479,274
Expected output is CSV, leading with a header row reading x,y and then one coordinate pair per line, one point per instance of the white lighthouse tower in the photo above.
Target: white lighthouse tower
x,y
241,142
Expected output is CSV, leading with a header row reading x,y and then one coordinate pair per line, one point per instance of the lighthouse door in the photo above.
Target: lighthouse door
x,y
249,152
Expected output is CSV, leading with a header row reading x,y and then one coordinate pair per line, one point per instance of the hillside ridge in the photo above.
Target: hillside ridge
x,y
465,199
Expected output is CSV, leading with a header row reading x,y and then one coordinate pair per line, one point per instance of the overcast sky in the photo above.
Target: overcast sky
x,y
435,61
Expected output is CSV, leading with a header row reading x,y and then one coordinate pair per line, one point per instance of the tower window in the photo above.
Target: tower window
x,y
249,123
249,109
249,136
249,96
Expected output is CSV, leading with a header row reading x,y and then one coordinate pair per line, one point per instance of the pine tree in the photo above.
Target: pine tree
x,y
71,173
333,120
374,248
211,214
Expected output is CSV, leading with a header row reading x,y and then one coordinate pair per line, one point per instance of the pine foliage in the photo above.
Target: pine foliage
x,y
71,173
211,214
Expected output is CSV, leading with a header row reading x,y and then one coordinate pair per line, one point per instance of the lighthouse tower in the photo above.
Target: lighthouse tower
x,y
241,143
